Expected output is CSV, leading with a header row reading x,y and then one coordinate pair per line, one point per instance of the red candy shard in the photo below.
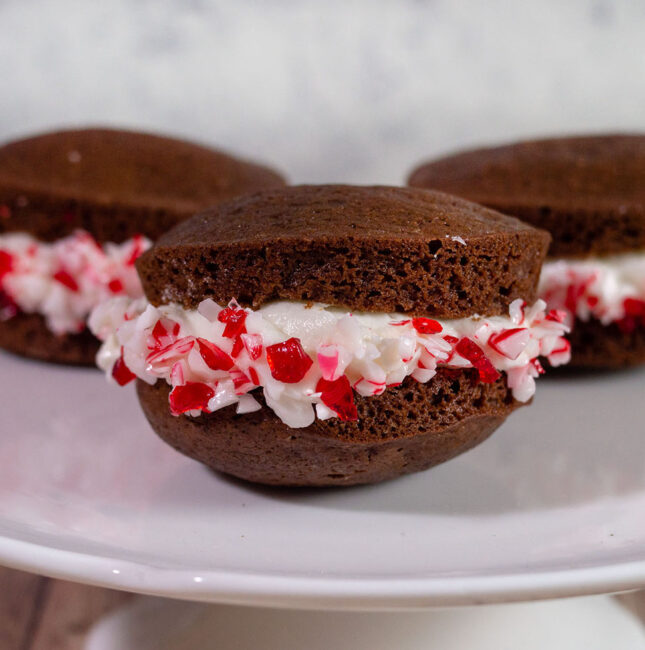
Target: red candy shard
x,y
426,326
634,315
238,346
115,286
399,323
121,373
214,357
6,263
253,373
337,395
287,361
234,318
470,351
634,307
66,280
253,345
192,396
225,314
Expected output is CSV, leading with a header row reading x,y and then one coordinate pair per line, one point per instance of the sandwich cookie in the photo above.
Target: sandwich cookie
x,y
76,210
333,335
589,193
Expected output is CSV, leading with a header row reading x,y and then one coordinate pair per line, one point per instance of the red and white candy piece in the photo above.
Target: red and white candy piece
x,y
510,343
253,345
332,359
164,332
560,355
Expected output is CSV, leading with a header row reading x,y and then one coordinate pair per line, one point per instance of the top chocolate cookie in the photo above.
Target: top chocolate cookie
x,y
379,249
588,191
115,184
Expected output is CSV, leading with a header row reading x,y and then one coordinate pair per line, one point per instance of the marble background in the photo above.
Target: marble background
x,y
333,90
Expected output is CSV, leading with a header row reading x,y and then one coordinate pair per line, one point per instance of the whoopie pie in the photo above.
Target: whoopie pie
x,y
589,193
333,335
77,208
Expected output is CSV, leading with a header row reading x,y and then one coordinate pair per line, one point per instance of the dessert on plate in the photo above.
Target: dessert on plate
x,y
76,210
589,193
333,335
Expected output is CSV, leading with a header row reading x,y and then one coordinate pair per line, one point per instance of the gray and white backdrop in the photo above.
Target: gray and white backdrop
x,y
328,90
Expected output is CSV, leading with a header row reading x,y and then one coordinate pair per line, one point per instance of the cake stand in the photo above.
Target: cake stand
x,y
553,505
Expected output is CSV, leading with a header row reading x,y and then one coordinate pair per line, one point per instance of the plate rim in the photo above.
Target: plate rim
x,y
318,592
268,586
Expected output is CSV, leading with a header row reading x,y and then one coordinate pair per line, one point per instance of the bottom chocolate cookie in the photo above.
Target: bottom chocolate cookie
x,y
404,430
29,336
594,345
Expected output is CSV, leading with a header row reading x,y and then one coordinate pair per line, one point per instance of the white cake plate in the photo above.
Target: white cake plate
x,y
552,505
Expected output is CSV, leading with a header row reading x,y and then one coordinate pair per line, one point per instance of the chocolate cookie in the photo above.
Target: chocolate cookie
x,y
334,335
370,249
113,186
621,347
29,336
399,432
589,193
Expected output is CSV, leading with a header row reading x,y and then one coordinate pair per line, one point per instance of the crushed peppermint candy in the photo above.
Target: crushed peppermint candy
x,y
609,289
64,280
311,360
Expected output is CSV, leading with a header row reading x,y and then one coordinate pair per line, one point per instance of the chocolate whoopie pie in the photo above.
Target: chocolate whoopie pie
x,y
333,335
77,208
589,193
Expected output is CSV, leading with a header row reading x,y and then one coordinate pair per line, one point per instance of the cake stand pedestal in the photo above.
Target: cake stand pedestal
x,y
591,623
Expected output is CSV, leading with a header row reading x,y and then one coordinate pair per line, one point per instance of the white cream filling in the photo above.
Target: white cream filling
x,y
373,351
64,280
595,287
